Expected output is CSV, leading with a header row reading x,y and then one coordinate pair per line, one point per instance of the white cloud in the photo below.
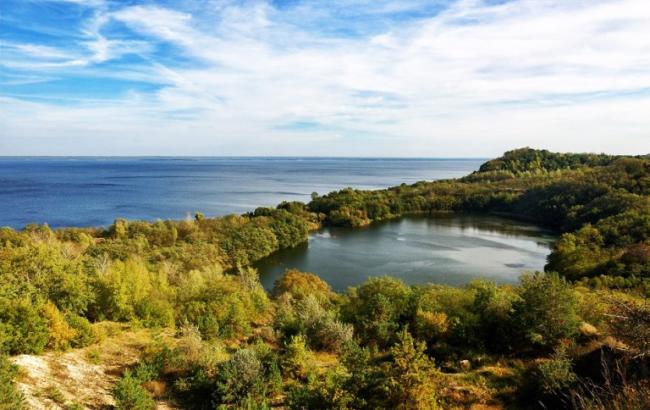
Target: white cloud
x,y
472,80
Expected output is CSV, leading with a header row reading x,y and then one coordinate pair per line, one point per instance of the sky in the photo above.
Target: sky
x,y
405,78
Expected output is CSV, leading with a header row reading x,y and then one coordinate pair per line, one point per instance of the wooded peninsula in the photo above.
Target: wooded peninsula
x,y
206,334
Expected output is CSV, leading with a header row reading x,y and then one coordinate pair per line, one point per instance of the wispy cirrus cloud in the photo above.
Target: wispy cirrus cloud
x,y
425,78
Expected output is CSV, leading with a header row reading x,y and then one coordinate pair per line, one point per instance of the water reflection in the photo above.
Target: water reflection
x,y
448,249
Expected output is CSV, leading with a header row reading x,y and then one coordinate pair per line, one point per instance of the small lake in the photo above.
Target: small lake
x,y
445,249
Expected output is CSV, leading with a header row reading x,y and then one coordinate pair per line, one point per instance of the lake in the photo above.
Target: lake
x,y
83,191
445,249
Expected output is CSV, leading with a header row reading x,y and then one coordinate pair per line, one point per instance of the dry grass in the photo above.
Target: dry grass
x,y
488,387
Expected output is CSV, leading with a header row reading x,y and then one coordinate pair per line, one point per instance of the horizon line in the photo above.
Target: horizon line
x,y
237,157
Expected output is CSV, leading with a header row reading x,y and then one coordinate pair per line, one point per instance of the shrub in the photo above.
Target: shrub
x,y
121,287
332,335
409,376
240,377
84,332
449,309
224,307
378,308
430,325
546,313
60,332
320,392
311,320
130,395
44,269
154,312
301,285
22,327
555,374
493,306
591,306
194,352
297,357
10,397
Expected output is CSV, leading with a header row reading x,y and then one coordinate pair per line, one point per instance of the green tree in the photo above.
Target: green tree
x,y
410,375
378,308
546,312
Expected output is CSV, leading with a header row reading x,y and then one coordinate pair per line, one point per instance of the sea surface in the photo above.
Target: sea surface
x,y
82,191
445,249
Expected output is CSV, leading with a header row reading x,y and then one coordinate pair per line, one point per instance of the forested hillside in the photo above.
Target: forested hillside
x,y
600,203
577,336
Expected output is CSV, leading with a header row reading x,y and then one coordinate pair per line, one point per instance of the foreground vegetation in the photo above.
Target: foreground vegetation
x,y
577,336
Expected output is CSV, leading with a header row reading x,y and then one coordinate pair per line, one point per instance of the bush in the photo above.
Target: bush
x,y
223,307
22,327
410,375
448,313
194,352
155,312
546,313
332,335
130,395
302,284
60,332
555,374
119,288
84,332
308,318
320,392
10,397
493,306
240,378
430,326
378,308
297,357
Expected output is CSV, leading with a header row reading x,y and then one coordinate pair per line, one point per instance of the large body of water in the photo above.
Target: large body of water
x,y
444,249
448,249
78,191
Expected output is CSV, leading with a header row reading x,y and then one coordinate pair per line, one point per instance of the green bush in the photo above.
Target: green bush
x,y
10,397
451,311
240,378
23,329
410,375
493,306
555,374
378,308
223,307
130,395
320,392
84,332
155,312
318,325
297,358
546,311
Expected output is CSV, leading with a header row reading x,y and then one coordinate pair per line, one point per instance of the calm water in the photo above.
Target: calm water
x,y
445,249
453,250
94,191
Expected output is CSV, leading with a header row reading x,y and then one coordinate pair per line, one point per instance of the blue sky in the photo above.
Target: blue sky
x,y
340,77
